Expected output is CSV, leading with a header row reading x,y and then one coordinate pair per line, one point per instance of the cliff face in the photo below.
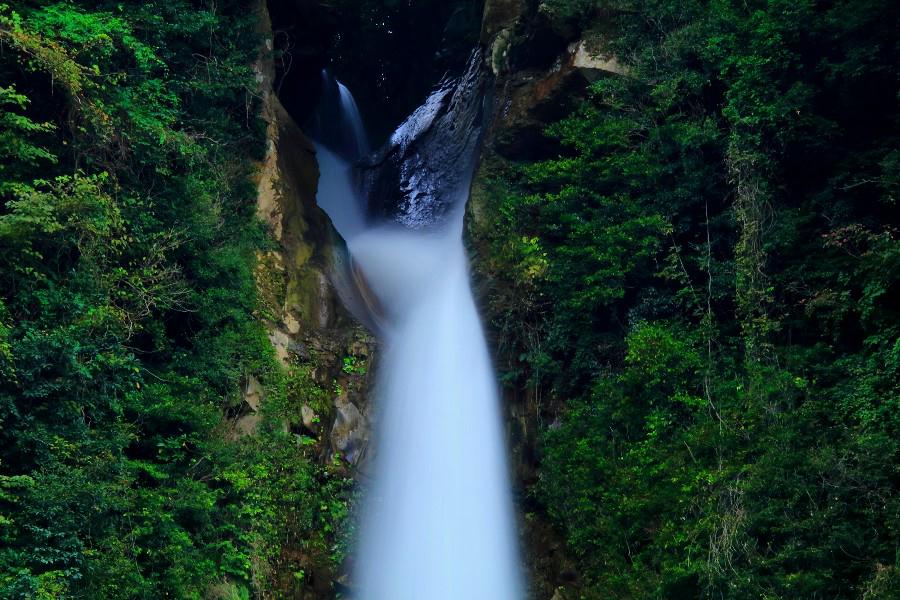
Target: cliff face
x,y
542,63
304,313
541,68
325,352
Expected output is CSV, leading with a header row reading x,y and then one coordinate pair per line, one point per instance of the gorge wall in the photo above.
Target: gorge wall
x,y
299,280
326,353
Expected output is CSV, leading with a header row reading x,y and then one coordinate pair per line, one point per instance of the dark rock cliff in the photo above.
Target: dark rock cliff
x,y
425,166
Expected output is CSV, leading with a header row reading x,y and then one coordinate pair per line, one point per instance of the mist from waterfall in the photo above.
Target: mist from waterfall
x,y
437,521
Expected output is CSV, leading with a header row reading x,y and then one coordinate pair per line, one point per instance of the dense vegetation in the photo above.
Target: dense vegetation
x,y
128,239
707,275
705,278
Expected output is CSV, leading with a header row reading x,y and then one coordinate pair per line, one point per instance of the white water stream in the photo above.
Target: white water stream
x,y
437,522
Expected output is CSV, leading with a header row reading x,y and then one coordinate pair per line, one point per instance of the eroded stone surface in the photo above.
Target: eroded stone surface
x,y
309,418
499,15
251,399
350,431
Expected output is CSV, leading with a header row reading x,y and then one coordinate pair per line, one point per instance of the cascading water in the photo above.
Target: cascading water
x,y
340,139
351,113
438,521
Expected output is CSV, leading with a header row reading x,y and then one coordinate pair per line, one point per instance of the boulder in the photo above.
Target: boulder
x,y
350,432
309,418
248,412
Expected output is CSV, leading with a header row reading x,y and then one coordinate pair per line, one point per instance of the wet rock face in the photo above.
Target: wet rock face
x,y
431,156
300,284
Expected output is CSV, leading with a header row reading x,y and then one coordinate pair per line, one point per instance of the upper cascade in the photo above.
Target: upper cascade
x,y
337,123
350,112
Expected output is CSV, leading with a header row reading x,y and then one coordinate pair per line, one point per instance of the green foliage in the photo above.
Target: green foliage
x,y
706,278
17,151
353,365
128,240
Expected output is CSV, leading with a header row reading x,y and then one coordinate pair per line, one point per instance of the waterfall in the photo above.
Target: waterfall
x,y
337,123
437,521
340,139
351,114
